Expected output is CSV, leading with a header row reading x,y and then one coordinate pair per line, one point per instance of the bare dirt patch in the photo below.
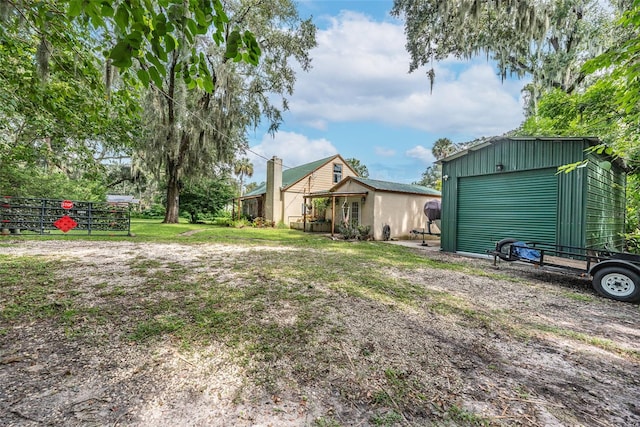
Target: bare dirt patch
x,y
223,335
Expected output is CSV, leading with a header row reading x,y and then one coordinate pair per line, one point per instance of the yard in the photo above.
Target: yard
x,y
199,325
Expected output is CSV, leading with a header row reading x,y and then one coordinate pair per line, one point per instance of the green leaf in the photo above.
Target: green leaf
x,y
606,165
170,43
122,17
107,10
75,8
160,24
193,28
143,76
120,55
155,76
157,64
201,18
207,85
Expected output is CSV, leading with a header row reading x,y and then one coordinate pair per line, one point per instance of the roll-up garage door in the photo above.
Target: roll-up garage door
x,y
519,205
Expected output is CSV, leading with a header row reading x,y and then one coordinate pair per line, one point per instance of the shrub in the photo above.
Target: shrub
x,y
364,232
155,211
260,222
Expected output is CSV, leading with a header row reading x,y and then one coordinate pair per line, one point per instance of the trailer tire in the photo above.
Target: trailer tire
x,y
503,247
618,283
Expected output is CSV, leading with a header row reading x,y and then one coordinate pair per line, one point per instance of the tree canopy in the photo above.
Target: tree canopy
x,y
547,40
191,129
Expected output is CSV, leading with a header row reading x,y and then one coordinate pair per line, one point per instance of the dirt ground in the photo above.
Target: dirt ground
x,y
506,346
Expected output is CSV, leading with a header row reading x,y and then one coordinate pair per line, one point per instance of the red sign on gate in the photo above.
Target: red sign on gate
x,y
66,204
65,223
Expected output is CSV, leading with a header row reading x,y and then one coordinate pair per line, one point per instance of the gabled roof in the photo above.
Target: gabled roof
x,y
292,175
394,187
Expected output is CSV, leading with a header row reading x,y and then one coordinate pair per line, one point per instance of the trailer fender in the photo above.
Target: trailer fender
x,y
614,263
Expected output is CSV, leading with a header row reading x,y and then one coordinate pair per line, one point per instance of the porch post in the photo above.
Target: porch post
x,y
304,214
333,214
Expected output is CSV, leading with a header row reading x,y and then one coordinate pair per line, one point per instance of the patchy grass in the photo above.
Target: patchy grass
x,y
603,343
275,312
29,288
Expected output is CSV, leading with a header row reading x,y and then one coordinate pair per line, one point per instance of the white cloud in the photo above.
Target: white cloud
x,y
421,153
384,152
294,150
360,73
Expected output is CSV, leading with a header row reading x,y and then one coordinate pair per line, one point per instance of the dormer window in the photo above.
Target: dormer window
x,y
337,173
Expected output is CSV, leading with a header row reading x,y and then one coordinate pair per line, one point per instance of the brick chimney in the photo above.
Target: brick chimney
x,y
273,202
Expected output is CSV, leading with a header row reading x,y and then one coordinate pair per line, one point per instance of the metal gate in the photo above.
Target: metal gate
x,y
44,216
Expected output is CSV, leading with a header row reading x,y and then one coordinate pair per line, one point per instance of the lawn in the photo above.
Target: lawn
x,y
202,325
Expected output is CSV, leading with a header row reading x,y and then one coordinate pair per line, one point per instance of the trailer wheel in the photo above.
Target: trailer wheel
x,y
503,247
617,283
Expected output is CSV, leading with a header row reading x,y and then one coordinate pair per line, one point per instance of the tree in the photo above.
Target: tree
x,y
359,168
138,36
81,115
206,197
252,186
242,168
193,129
618,67
609,108
56,114
442,148
547,40
431,177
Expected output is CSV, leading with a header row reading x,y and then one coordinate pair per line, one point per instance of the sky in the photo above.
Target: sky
x,y
359,99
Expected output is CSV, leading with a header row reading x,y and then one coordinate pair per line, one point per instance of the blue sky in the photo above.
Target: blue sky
x,y
359,99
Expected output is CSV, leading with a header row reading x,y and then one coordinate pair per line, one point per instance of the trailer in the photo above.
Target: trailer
x,y
614,275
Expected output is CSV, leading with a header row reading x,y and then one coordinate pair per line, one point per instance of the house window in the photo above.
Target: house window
x,y
337,173
355,214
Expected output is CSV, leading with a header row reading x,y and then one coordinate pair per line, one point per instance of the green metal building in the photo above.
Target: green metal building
x,y
510,188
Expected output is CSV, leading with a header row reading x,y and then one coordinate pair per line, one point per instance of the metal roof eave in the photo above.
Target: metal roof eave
x,y
320,194
591,139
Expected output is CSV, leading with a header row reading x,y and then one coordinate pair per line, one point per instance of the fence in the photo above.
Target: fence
x,y
43,216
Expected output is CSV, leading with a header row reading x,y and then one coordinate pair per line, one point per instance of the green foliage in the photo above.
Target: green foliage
x,y
593,112
194,130
243,168
442,148
546,40
468,418
618,67
358,167
22,181
608,108
68,120
205,198
149,33
262,223
155,211
431,177
388,419
350,231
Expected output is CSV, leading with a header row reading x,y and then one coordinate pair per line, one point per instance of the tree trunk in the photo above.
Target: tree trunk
x,y
171,216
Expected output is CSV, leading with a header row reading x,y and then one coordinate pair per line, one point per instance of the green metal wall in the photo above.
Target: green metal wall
x,y
605,206
523,154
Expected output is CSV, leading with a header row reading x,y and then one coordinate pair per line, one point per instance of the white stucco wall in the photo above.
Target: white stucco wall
x,y
403,212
